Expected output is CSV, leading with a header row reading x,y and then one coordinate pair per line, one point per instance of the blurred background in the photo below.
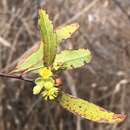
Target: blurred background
x,y
104,29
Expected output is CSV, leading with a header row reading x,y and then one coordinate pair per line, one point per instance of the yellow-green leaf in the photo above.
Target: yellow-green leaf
x,y
32,59
70,59
65,32
48,37
89,110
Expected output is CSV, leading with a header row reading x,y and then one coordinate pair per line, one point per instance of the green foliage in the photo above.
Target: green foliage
x,y
30,60
33,59
49,62
66,31
70,59
48,37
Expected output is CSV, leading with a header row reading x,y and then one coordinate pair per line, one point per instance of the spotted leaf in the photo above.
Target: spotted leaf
x,y
48,36
35,57
65,32
70,59
89,110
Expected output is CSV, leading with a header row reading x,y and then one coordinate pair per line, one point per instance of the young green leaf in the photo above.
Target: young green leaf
x,y
48,37
30,60
70,59
52,38
65,32
33,58
88,110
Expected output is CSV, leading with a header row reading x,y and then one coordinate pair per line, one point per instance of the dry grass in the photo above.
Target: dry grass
x,y
104,29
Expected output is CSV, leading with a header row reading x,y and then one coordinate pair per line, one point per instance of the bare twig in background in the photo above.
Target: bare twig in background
x,y
4,42
5,5
122,9
30,112
14,46
82,12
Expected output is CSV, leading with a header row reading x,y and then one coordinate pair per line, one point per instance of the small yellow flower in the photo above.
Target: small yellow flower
x,y
37,89
48,85
50,94
45,73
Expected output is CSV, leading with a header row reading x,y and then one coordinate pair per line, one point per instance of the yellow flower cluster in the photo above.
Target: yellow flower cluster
x,y
45,85
45,73
50,94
